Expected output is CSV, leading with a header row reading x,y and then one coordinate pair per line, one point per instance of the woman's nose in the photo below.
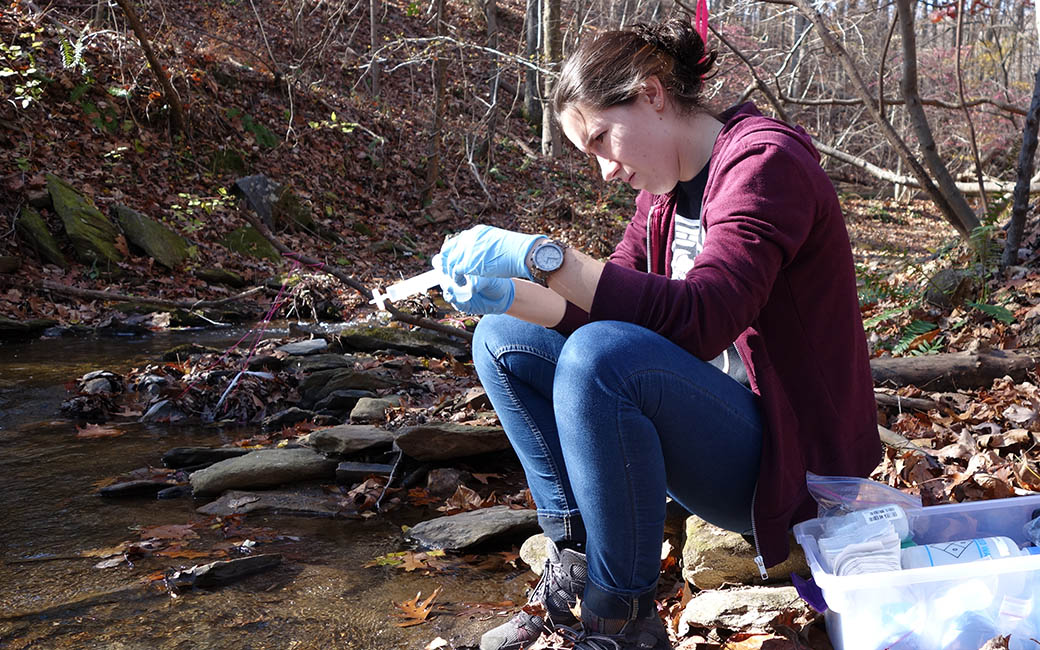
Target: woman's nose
x,y
608,168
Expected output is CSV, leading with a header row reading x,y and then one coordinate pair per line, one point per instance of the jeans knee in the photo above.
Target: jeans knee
x,y
594,348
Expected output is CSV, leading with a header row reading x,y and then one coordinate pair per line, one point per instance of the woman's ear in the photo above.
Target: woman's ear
x,y
654,92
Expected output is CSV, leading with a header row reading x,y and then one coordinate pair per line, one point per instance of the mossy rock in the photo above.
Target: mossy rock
x,y
221,276
248,241
156,240
92,234
290,211
33,230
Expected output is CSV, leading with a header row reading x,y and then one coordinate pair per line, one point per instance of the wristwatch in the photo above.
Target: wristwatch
x,y
545,258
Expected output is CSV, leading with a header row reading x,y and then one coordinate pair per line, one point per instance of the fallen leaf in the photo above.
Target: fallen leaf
x,y
92,431
169,531
414,611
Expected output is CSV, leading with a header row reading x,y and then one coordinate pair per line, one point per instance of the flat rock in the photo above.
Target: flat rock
x,y
318,362
418,342
304,348
349,472
263,468
749,609
456,532
347,439
191,456
143,487
445,440
713,557
284,502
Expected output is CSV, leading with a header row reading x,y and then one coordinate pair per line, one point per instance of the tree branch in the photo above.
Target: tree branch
x,y
349,280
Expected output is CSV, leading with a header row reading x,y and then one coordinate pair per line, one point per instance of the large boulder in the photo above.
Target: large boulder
x,y
92,234
263,468
156,240
713,557
33,230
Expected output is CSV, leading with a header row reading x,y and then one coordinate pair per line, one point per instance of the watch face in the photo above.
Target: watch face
x,y
548,257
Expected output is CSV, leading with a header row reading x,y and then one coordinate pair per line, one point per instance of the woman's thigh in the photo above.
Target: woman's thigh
x,y
666,412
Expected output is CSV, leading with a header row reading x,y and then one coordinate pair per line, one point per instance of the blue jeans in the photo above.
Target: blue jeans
x,y
607,422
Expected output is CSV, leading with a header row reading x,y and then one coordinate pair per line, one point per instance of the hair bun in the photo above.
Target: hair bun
x,y
678,38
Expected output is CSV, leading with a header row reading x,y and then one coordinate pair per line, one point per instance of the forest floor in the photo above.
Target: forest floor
x,y
281,96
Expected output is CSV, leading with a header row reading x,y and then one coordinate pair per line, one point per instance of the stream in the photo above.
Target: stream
x,y
52,596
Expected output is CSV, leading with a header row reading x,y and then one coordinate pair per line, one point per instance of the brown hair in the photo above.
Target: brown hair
x,y
611,68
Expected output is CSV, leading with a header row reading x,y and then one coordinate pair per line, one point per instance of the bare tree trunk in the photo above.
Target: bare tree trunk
x,y
532,98
373,39
440,73
1026,164
953,204
553,49
173,100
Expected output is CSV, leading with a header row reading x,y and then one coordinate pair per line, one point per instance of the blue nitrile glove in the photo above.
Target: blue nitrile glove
x,y
489,252
480,295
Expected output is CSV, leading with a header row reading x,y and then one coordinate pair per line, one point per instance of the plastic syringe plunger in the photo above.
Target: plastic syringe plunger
x,y
413,285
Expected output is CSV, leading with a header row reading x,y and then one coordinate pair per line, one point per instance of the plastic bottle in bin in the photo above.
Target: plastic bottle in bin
x,y
963,550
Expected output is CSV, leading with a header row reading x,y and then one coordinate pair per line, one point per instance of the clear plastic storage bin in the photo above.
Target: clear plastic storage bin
x,y
952,607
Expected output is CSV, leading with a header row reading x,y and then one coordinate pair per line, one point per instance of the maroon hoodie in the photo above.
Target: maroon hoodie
x,y
776,277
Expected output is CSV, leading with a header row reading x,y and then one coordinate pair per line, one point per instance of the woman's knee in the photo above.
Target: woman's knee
x,y
595,347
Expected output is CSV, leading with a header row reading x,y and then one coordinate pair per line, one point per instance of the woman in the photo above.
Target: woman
x,y
717,355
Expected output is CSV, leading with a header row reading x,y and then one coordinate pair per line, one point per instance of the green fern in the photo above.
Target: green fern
x,y
72,53
912,331
1003,314
934,346
874,321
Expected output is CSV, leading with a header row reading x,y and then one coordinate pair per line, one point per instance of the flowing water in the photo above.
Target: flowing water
x,y
51,596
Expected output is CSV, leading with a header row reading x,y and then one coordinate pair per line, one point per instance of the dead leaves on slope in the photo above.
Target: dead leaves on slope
x,y
980,445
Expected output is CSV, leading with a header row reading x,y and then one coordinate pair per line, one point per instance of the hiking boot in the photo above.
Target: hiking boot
x,y
548,605
646,633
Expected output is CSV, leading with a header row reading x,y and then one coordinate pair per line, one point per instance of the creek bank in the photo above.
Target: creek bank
x,y
428,431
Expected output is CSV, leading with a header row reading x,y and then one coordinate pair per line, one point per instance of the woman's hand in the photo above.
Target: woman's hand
x,y
481,295
488,252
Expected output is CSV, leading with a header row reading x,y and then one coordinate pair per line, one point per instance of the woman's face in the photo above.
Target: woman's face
x,y
632,142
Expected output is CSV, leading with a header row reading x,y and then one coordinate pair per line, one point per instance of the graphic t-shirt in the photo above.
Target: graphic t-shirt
x,y
687,243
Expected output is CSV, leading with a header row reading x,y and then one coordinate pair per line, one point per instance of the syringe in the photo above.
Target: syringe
x,y
416,284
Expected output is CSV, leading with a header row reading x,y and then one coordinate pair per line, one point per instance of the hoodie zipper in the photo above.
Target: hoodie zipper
x,y
759,561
